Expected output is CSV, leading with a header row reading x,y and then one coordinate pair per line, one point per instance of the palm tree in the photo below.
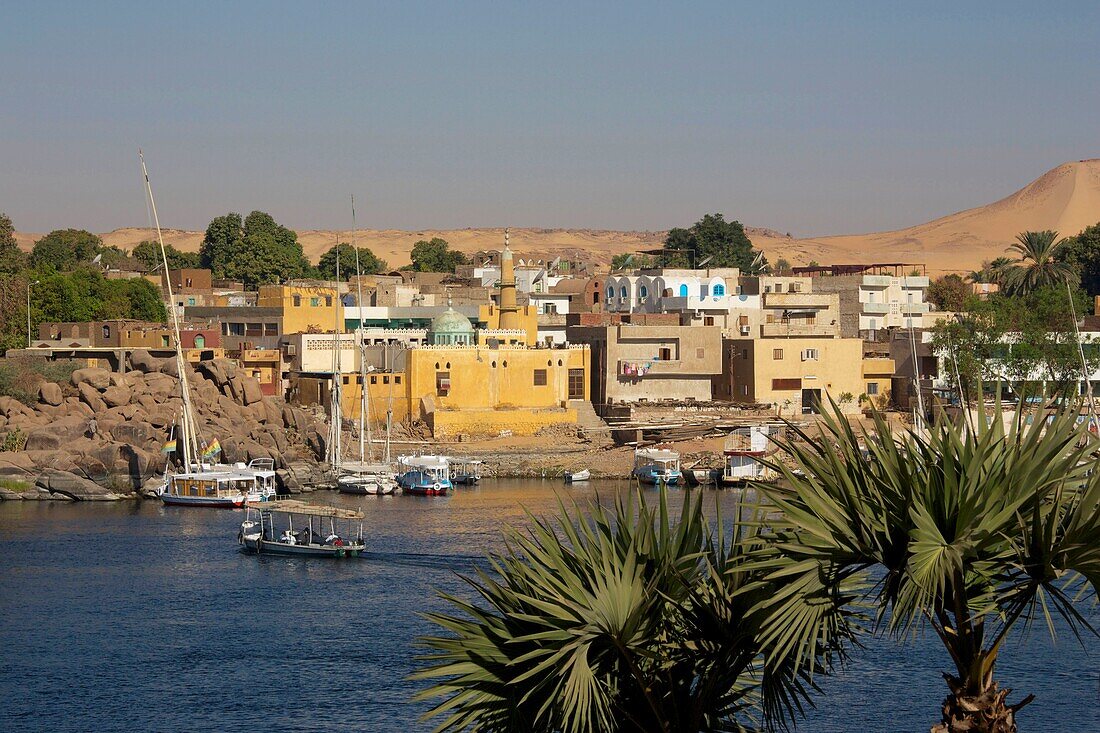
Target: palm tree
x,y
969,531
626,621
1036,264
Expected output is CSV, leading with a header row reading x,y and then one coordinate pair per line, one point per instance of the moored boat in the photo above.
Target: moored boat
x,y
465,471
223,486
424,475
321,531
572,477
745,447
366,480
656,467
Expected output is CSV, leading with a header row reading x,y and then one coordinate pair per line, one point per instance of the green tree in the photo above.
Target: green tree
x,y
435,256
723,242
969,552
12,259
86,295
782,267
256,251
148,254
223,238
627,621
1036,264
13,312
1015,340
64,249
949,293
1082,254
369,264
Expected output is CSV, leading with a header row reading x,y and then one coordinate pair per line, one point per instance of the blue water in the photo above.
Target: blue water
x,y
138,617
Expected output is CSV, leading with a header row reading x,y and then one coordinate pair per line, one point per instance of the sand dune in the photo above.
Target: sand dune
x,y
1066,199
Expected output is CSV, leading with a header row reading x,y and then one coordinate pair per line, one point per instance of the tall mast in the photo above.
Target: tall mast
x,y
364,396
389,403
188,431
335,450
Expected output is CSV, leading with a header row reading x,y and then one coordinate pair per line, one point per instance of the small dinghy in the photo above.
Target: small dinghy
x,y
572,477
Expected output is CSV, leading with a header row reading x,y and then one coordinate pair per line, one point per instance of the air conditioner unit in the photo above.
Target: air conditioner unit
x,y
291,349
745,330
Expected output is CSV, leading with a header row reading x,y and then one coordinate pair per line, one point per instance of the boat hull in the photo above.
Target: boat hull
x,y
652,478
465,479
210,502
572,478
433,490
260,547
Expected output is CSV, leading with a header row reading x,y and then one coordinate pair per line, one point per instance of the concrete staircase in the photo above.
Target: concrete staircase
x,y
587,419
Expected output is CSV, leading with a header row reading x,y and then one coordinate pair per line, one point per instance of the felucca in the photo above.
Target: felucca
x,y
201,480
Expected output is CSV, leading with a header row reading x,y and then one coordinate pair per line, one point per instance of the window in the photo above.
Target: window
x,y
719,289
314,302
700,353
225,329
200,341
188,281
106,332
164,342
297,301
744,390
540,378
622,291
683,291
254,329
442,383
777,354
397,379
576,384
373,379
236,329
328,301
550,308
610,292
347,380
190,301
271,329
810,355
786,384
665,354
872,389
643,292
385,379
744,353
708,320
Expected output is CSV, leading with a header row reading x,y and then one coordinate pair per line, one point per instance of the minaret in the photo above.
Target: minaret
x,y
509,311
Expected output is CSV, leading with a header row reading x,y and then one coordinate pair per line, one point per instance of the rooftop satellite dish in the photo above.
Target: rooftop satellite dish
x,y
97,259
704,261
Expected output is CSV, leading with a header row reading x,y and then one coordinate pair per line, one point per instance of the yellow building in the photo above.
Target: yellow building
x,y
878,373
796,375
469,390
525,318
305,307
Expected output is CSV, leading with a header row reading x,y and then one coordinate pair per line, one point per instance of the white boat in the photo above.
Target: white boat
x,y
221,485
321,531
465,471
424,475
743,451
372,479
201,482
572,477
656,467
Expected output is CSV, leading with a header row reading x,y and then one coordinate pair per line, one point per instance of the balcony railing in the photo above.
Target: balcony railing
x,y
793,330
796,300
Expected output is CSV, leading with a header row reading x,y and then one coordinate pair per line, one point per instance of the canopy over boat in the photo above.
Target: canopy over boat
x,y
293,506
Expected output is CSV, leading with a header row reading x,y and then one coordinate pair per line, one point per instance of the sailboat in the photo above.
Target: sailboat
x,y
363,477
202,481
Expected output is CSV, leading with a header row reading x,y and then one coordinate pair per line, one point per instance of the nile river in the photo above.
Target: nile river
x,y
138,617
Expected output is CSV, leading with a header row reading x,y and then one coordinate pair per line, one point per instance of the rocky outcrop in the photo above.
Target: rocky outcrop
x,y
106,430
49,393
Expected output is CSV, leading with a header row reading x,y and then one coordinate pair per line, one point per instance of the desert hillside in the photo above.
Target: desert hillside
x,y
1066,199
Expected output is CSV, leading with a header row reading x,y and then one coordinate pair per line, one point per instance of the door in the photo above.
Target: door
x,y
576,384
811,401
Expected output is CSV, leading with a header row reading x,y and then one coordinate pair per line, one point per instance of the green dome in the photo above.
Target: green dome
x,y
451,327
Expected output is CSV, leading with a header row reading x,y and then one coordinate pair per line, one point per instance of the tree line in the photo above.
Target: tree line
x,y
65,269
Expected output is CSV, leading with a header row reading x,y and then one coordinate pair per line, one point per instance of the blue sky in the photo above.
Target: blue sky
x,y
813,118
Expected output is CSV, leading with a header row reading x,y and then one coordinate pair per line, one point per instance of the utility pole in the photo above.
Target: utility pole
x,y
29,338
